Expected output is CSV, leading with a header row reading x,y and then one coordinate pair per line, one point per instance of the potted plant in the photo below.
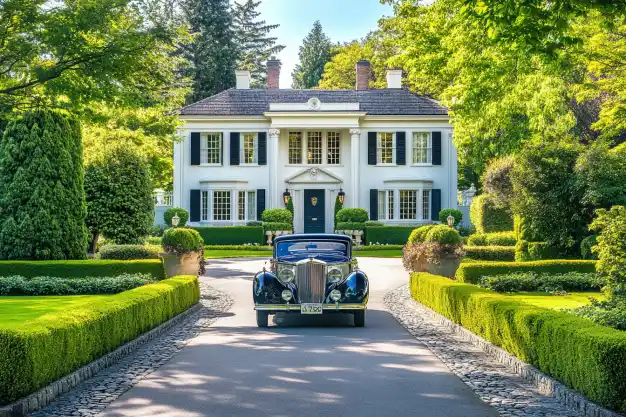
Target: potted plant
x,y
414,252
437,249
183,252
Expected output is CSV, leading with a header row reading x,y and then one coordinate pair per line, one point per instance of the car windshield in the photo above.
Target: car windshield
x,y
310,247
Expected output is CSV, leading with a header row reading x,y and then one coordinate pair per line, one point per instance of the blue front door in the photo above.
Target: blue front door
x,y
314,204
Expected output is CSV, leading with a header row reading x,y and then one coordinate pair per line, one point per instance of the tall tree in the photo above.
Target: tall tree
x,y
255,46
213,53
314,54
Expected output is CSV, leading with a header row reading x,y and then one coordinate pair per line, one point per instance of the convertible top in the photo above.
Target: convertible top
x,y
314,236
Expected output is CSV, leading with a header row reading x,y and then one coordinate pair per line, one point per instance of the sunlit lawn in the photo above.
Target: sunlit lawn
x,y
542,299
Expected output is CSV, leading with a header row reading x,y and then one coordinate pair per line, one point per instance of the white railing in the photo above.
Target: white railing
x,y
162,198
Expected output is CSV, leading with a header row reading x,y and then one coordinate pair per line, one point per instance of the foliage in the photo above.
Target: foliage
x,y
157,230
50,347
417,256
182,240
586,247
356,215
277,215
255,46
17,285
42,208
496,180
590,362
251,248
444,235
232,235
466,231
490,253
611,248
488,217
393,235
601,173
120,205
180,212
338,206
254,223
291,210
492,239
350,226
457,214
273,227
154,240
473,272
535,251
79,269
374,223
419,234
552,283
611,313
130,252
313,55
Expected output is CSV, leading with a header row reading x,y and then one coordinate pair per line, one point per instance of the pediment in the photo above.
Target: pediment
x,y
313,175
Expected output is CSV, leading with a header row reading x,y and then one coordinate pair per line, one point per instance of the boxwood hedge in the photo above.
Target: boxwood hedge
x,y
584,356
79,269
473,272
490,253
231,235
56,344
393,235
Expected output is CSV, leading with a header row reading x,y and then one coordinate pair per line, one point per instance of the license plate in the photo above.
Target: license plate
x,y
311,309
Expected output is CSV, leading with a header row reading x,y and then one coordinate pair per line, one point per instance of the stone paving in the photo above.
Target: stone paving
x,y
95,394
493,382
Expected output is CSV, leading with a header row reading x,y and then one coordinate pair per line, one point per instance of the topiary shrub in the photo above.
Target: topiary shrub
x,y
535,251
419,235
171,212
374,223
440,252
443,216
352,215
350,226
392,235
492,239
488,217
277,215
129,252
443,235
182,240
497,180
338,206
273,227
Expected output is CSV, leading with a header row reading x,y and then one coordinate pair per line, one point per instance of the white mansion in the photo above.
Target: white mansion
x,y
389,150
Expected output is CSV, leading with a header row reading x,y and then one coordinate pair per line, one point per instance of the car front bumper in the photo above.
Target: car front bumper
x,y
297,307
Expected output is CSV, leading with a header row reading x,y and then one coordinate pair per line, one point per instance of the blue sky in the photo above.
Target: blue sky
x,y
342,20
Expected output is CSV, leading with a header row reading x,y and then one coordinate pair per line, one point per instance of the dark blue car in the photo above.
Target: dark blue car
x,y
311,274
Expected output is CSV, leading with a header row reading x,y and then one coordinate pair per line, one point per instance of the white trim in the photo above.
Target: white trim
x,y
323,107
402,117
337,180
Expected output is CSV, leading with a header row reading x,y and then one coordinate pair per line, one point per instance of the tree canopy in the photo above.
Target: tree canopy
x,y
314,54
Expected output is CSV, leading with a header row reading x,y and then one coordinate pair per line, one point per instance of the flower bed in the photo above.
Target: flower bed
x,y
473,272
79,269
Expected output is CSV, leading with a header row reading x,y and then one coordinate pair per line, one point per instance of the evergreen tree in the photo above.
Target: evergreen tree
x,y
42,209
314,54
213,53
255,46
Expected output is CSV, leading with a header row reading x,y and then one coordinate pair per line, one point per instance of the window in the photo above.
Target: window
x,y
425,204
295,147
333,142
385,205
246,205
385,148
221,205
204,212
251,206
390,204
241,205
408,204
211,148
314,148
249,145
421,148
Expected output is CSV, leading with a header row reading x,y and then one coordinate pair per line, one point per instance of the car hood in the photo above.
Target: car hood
x,y
326,257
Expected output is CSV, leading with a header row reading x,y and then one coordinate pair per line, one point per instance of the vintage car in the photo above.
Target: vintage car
x,y
311,274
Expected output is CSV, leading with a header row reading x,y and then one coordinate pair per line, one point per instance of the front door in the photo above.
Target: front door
x,y
314,221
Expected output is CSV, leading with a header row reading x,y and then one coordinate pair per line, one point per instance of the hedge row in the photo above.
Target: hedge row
x,y
16,285
584,356
393,235
79,269
490,253
256,248
375,248
231,235
492,239
473,272
56,344
130,252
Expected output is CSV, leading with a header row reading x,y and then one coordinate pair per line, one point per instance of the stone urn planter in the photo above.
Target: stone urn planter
x,y
183,252
447,266
184,264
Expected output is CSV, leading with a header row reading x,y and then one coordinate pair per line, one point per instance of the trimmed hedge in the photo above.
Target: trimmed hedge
x,y
16,285
128,252
376,247
277,215
258,248
56,344
490,253
273,227
231,235
535,251
393,235
492,239
584,356
80,269
473,272
488,217
352,215
350,225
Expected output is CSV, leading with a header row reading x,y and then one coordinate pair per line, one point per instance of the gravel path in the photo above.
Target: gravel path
x,y
504,390
92,396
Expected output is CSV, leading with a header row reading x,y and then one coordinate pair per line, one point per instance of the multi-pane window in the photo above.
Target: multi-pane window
x,y
295,147
385,205
408,204
204,206
246,205
421,148
385,148
221,205
425,204
251,206
390,204
241,205
333,143
248,148
211,148
314,147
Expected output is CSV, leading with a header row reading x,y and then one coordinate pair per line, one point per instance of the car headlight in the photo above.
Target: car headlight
x,y
286,273
338,272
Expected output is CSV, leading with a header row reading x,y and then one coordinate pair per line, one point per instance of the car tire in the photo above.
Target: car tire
x,y
359,318
262,317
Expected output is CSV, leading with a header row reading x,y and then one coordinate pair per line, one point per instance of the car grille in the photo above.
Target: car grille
x,y
311,282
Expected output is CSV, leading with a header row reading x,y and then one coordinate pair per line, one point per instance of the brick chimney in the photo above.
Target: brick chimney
x,y
363,69
273,73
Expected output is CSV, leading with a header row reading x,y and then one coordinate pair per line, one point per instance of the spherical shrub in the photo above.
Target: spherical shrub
x,y
443,216
277,215
352,215
181,212
182,240
443,235
419,235
129,252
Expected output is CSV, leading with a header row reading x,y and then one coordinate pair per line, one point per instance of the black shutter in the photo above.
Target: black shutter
x,y
195,148
371,148
401,148
373,204
436,148
260,203
435,205
262,158
194,205
234,148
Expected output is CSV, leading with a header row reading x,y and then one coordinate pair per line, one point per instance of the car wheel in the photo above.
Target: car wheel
x,y
262,318
359,318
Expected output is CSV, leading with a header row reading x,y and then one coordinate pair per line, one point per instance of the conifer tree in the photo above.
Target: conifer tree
x,y
314,54
255,46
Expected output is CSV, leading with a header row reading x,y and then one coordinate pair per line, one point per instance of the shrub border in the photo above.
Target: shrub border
x,y
88,268
472,272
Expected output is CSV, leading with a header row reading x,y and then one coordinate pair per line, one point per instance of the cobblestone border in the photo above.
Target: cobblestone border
x,y
510,385
93,374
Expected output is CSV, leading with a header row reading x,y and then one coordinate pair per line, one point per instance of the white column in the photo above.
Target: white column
x,y
179,169
355,135
274,189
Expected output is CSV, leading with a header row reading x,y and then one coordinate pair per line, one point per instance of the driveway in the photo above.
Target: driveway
x,y
320,366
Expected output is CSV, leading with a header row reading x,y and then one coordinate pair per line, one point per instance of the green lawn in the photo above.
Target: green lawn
x,y
542,299
14,311
225,253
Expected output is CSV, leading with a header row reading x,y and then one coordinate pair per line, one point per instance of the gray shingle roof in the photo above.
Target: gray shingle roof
x,y
254,102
